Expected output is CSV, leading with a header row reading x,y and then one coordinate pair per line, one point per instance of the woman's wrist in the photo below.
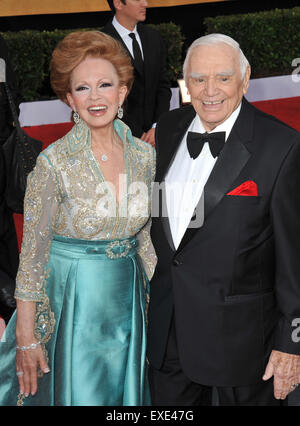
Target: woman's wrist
x,y
25,337
33,345
25,323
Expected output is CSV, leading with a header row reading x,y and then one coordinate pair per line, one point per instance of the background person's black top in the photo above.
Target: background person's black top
x,y
9,254
150,94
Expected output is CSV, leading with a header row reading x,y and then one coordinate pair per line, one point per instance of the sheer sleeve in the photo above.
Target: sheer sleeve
x,y
149,259
146,250
41,203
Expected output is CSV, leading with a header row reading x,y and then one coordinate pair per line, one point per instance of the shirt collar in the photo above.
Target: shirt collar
x,y
122,30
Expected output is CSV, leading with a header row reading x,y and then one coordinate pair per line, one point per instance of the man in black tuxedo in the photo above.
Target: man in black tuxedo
x,y
225,296
150,95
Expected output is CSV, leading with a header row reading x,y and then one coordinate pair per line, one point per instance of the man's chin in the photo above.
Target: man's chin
x,y
211,120
142,18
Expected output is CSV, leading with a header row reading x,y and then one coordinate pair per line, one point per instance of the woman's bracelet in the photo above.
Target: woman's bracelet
x,y
26,348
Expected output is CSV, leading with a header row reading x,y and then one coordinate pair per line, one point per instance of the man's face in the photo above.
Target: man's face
x,y
133,9
214,82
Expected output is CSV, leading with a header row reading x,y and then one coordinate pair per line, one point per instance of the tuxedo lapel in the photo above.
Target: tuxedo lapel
x,y
167,152
146,52
165,219
171,141
110,29
231,161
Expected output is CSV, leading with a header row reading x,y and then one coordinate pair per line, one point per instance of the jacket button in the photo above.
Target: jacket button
x,y
176,262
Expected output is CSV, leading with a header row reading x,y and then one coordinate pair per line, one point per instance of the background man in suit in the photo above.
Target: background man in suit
x,y
150,95
9,253
225,296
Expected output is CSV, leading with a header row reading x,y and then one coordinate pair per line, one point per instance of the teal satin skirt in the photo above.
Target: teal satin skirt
x,y
96,329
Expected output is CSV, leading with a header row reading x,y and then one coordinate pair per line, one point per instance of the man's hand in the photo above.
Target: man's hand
x,y
149,136
286,371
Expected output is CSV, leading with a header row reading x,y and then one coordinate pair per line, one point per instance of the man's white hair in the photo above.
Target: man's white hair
x,y
216,39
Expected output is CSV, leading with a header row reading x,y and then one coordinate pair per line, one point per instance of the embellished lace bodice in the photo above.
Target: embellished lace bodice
x,y
67,195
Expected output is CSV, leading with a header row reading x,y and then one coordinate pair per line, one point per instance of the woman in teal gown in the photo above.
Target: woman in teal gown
x,y
82,284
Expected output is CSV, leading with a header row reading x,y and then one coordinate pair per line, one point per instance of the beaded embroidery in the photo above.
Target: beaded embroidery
x,y
63,198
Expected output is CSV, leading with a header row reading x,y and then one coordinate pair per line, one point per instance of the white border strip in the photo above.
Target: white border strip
x,y
260,89
44,112
264,89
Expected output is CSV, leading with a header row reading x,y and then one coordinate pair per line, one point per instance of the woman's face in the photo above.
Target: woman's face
x,y
95,92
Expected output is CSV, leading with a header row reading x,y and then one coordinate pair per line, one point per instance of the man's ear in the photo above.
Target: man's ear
x,y
118,4
246,81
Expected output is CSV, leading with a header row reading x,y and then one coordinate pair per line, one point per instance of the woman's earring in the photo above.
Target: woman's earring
x,y
76,117
80,129
120,112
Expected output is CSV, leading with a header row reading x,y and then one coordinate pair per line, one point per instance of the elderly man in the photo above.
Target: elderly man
x,y
150,94
225,296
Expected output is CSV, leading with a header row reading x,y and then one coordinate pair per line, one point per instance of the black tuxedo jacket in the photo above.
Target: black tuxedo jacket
x,y
150,95
233,285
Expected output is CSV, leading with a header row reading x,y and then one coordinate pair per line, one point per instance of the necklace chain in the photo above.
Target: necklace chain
x,y
105,157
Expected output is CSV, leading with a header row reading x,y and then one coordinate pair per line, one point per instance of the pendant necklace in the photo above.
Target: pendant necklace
x,y
104,157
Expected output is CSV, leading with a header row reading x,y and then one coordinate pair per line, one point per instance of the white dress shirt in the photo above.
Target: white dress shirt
x,y
124,34
186,178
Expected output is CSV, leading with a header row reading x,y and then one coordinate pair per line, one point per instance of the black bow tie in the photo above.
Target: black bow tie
x,y
195,142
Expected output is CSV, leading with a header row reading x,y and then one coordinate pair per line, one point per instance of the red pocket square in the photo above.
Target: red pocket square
x,y
248,188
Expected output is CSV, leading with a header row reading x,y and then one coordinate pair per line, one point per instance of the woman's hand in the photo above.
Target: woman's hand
x,y
28,360
149,136
27,363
